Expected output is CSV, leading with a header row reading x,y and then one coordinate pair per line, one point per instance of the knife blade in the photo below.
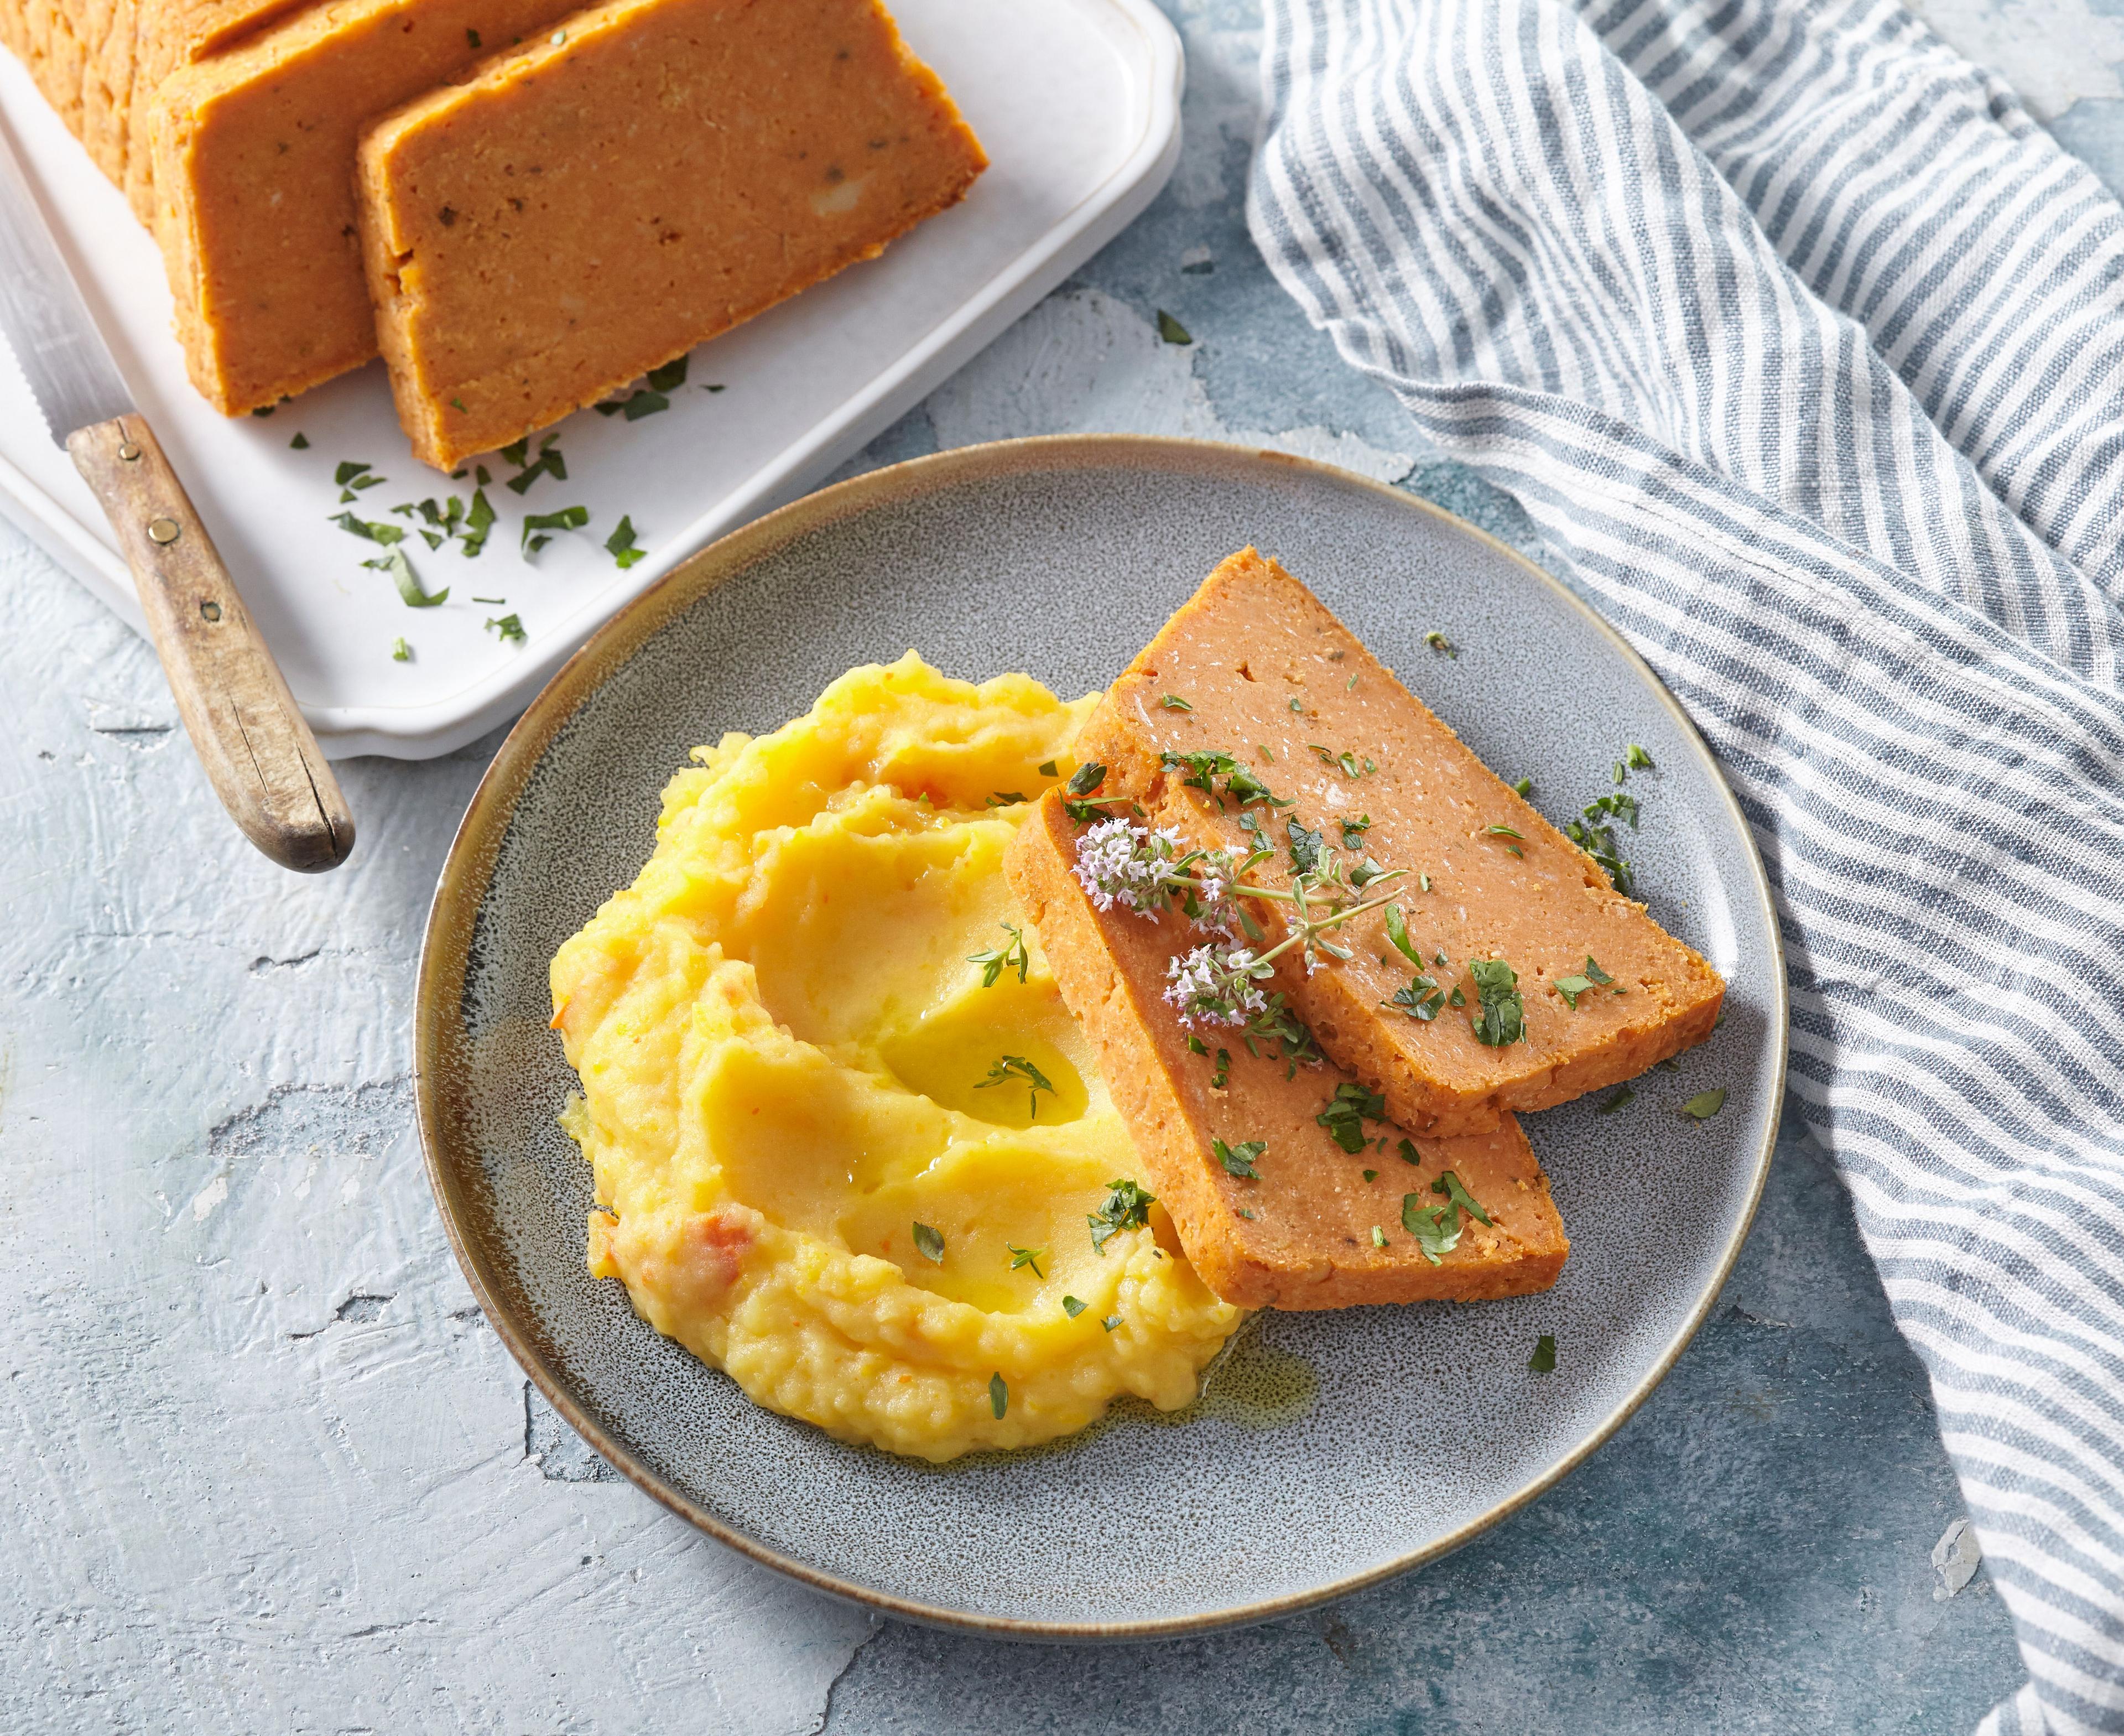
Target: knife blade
x,y
47,324
253,742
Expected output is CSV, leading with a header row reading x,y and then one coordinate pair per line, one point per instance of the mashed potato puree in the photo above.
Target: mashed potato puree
x,y
782,1046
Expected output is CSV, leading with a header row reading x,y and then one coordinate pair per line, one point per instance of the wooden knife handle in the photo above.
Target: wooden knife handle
x,y
257,749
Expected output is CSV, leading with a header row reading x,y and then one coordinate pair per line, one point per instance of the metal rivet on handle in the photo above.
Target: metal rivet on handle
x,y
211,609
129,452
163,530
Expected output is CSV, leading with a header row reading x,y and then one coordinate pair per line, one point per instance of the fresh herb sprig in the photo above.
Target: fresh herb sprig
x,y
1346,1111
1017,1070
1010,956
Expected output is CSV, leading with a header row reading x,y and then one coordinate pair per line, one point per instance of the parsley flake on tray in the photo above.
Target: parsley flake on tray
x,y
568,517
1705,1105
621,547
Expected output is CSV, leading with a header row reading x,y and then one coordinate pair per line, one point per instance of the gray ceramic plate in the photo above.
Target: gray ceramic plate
x,y
1331,1450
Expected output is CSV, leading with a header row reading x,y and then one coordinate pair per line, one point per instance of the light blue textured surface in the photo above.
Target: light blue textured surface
x,y
266,1472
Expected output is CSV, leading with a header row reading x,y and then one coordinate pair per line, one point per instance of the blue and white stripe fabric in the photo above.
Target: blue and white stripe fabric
x,y
1804,348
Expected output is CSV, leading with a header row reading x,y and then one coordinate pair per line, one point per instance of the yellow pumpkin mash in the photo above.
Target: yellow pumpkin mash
x,y
783,1048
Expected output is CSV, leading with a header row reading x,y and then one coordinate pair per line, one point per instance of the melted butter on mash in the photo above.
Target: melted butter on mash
x,y
783,1050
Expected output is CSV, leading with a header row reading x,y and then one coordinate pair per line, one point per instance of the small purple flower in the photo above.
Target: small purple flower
x,y
1207,989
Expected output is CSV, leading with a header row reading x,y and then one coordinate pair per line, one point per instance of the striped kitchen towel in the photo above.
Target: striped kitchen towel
x,y
1804,347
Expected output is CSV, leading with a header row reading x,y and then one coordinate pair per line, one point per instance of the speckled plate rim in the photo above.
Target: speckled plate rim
x,y
468,870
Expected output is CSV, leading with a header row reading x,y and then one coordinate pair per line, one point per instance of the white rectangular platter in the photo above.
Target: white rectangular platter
x,y
1076,102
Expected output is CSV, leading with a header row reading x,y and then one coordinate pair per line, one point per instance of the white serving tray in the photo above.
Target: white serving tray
x,y
1078,103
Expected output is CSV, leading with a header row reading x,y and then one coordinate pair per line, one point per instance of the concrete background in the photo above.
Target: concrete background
x,y
266,1468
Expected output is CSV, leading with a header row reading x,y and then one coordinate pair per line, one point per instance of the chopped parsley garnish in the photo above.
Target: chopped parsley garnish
x,y
568,517
373,530
1438,641
1378,1237
648,399
929,1244
1617,776
1240,1160
1111,1322
1398,933
510,627
1501,831
1127,1206
548,463
1012,956
1637,759
1408,1152
1048,768
1346,1113
401,651
1004,798
1305,847
1205,765
1593,970
1523,788
1450,1184
1436,1228
1597,838
1503,1017
1354,831
1017,1070
1423,882
1221,1075
1243,787
408,581
1171,330
1544,1359
1346,762
1082,783
477,522
299,444
1570,988
998,1396
621,547
1608,1106
1196,1045
1705,1105
1456,999
1021,1257
1073,1307
1173,702
1422,1000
